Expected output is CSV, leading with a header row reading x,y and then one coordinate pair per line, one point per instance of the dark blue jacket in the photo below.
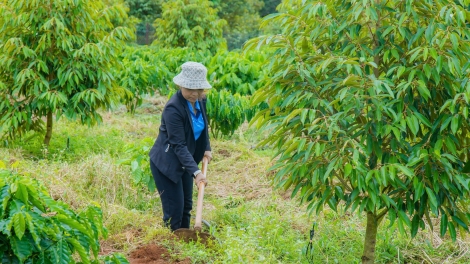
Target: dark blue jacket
x,y
175,150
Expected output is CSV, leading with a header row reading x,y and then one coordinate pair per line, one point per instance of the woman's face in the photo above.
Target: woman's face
x,y
192,94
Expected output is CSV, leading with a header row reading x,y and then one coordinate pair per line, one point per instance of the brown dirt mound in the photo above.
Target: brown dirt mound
x,y
153,254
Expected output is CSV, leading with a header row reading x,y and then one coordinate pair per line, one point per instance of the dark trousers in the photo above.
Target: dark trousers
x,y
177,198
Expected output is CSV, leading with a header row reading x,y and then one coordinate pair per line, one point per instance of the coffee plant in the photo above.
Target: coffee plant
x,y
227,111
34,228
237,72
235,77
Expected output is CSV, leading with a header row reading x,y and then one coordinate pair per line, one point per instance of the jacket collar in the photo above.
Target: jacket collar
x,y
186,108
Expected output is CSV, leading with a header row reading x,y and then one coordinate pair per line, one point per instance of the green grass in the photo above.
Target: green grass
x,y
253,222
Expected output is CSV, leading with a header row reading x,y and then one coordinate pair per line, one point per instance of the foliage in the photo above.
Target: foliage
x,y
146,11
150,69
142,73
56,59
242,19
115,259
190,23
36,228
269,7
226,111
370,103
119,11
237,72
235,77
138,160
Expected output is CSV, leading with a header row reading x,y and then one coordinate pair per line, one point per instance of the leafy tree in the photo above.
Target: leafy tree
x,y
190,23
369,105
146,11
56,58
242,18
269,7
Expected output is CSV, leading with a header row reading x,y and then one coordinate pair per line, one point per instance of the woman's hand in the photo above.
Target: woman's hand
x,y
200,178
208,155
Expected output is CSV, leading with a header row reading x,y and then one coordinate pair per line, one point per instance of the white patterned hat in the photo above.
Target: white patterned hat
x,y
193,75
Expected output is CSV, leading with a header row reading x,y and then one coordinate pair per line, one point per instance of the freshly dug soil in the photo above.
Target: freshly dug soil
x,y
153,254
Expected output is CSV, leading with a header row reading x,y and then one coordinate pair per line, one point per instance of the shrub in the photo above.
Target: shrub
x,y
36,228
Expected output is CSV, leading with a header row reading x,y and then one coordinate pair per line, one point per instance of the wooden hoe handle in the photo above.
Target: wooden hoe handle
x,y
200,196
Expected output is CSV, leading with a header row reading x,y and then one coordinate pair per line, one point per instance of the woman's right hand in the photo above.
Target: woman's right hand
x,y
200,177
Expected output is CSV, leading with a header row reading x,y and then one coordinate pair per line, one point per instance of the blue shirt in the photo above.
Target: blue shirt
x,y
198,120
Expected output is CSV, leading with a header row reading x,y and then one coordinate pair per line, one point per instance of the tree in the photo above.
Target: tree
x,y
269,7
242,18
56,59
190,23
146,11
369,105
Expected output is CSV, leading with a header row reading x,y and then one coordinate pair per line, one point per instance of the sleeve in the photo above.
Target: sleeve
x,y
175,128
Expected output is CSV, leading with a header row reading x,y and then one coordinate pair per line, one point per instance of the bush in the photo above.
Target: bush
x,y
235,77
36,228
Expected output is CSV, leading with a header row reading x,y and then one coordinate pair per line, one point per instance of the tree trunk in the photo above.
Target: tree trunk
x,y
47,139
368,256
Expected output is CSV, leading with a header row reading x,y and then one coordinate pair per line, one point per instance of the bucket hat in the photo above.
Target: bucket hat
x,y
193,75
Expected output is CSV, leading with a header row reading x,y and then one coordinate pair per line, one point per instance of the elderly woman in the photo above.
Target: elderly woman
x,y
182,142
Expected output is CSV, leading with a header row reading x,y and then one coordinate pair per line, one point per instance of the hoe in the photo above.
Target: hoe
x,y
197,235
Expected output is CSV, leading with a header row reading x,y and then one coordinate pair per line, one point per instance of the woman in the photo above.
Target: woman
x,y
182,142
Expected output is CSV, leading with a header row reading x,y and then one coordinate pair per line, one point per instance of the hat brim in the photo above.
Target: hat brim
x,y
191,84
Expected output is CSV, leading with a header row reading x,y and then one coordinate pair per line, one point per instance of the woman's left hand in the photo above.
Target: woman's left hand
x,y
208,155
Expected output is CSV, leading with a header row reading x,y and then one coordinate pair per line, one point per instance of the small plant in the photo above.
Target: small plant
x,y
140,163
36,228
115,258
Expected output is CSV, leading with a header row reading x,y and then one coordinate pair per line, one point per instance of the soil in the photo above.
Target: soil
x,y
153,254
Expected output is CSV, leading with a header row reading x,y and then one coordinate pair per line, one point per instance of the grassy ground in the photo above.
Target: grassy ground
x,y
253,222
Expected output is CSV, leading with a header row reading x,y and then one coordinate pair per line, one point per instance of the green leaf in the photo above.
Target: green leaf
x,y
402,215
22,193
431,197
450,145
60,252
443,225
21,248
72,223
423,119
80,249
452,232
415,225
454,124
405,170
19,225
460,222
413,124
